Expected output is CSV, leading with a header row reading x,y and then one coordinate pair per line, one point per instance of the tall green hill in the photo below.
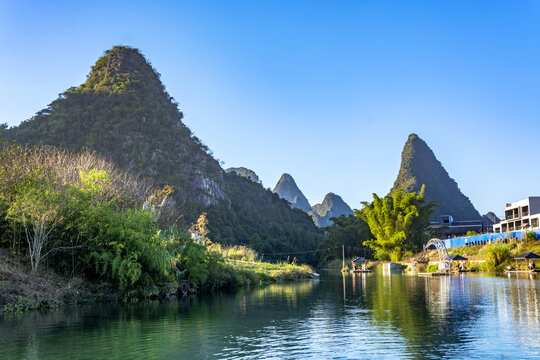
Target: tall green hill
x,y
420,166
123,112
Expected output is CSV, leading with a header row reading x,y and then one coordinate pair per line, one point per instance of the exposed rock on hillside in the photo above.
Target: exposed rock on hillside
x,y
332,206
245,172
287,189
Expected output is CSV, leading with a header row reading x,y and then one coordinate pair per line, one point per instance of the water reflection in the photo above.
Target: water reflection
x,y
349,316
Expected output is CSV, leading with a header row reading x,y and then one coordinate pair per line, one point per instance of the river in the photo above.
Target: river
x,y
336,317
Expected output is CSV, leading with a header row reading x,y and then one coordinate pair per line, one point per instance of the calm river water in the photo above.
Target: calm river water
x,y
336,317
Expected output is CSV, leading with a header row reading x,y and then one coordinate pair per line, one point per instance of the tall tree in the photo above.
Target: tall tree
x,y
351,232
398,222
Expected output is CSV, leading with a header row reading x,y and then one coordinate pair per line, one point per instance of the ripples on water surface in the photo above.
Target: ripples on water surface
x,y
336,317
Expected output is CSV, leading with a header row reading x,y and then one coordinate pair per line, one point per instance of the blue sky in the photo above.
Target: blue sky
x,y
326,91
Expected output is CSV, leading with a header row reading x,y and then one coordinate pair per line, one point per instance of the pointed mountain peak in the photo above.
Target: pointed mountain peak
x,y
331,206
122,111
287,189
286,177
332,200
331,197
122,69
420,166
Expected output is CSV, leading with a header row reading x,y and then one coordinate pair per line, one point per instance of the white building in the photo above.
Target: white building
x,y
520,215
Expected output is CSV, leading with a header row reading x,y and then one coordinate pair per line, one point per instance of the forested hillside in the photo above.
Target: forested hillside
x,y
267,222
123,112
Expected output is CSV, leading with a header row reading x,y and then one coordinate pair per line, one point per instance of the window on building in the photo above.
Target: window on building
x,y
534,223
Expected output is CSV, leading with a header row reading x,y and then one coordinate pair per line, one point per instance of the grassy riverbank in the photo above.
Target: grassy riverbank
x,y
492,257
74,228
21,290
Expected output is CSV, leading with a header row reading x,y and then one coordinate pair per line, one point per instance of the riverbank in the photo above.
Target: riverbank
x,y
21,290
494,257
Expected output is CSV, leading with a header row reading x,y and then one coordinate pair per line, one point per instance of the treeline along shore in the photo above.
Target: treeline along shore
x,y
75,228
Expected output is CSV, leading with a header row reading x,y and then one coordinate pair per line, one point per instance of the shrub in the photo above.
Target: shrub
x,y
530,236
496,254
235,252
432,268
126,247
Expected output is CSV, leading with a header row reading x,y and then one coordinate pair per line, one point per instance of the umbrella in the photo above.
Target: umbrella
x,y
457,258
527,255
360,259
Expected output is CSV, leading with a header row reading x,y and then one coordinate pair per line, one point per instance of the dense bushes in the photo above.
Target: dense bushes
x,y
85,217
497,254
81,216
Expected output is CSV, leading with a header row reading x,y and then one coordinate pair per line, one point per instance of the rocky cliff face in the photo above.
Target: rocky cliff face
x,y
420,166
287,189
122,111
244,172
332,206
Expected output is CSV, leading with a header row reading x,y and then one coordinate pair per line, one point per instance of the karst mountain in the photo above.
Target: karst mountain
x,y
122,111
420,166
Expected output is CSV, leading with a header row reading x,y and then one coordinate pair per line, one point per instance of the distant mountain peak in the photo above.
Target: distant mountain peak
x,y
245,172
287,189
331,206
420,166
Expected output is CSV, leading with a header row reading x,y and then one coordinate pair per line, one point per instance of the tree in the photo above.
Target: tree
x,y
37,208
350,231
256,243
398,221
201,229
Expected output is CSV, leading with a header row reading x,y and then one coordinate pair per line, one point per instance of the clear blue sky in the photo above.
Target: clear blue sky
x,y
326,91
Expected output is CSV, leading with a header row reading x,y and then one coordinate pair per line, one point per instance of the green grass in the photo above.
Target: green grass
x,y
263,272
497,256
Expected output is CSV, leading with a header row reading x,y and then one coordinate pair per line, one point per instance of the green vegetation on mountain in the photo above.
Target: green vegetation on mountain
x,y
398,222
123,112
260,219
419,166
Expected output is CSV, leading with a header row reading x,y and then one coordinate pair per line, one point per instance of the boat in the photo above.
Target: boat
x,y
522,271
432,274
360,271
